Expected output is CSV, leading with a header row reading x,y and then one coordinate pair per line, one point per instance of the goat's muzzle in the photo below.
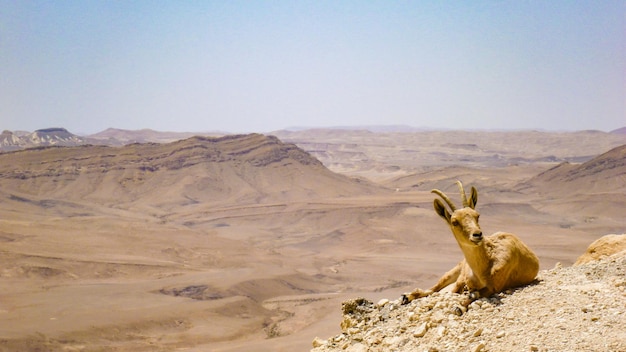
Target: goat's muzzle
x,y
477,237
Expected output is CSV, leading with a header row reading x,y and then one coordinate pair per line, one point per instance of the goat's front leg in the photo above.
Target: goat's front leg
x,y
447,279
406,298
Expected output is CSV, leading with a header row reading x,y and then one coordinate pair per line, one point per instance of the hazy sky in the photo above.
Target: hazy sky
x,y
259,66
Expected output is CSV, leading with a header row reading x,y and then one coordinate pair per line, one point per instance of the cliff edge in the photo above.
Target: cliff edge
x,y
578,308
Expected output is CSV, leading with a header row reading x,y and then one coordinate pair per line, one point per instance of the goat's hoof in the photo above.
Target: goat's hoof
x,y
460,310
404,300
474,295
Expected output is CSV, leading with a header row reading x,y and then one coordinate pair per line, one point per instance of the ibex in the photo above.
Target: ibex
x,y
492,263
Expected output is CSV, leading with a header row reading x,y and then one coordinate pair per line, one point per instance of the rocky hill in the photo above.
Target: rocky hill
x,y
116,136
619,131
242,169
604,173
578,308
56,136
45,137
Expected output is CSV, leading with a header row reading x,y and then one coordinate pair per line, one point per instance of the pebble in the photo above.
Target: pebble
x,y
420,331
438,317
317,342
357,347
441,330
479,347
373,339
353,331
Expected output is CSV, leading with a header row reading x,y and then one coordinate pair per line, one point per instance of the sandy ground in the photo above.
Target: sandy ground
x,y
225,276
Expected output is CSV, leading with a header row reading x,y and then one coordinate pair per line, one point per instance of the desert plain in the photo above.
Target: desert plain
x,y
251,242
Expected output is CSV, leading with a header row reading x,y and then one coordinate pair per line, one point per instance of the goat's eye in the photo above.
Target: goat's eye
x,y
455,222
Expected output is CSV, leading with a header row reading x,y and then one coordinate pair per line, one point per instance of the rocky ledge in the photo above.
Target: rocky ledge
x,y
578,308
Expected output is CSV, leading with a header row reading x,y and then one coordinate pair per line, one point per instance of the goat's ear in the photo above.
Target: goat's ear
x,y
441,210
473,198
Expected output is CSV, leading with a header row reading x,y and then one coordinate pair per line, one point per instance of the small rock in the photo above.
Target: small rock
x,y
441,330
478,332
353,331
317,342
382,302
479,347
438,317
358,347
352,306
500,334
440,305
421,330
392,341
373,339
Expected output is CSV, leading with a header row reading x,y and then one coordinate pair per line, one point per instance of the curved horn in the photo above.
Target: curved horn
x,y
445,198
463,195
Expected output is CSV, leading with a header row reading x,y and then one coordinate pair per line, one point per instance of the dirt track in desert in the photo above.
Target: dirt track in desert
x,y
249,243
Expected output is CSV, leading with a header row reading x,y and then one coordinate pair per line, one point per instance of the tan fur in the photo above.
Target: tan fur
x,y
492,263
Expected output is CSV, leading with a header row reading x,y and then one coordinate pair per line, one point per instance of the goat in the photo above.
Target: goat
x,y
492,263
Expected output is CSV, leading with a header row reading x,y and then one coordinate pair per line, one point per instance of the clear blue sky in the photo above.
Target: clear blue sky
x,y
260,66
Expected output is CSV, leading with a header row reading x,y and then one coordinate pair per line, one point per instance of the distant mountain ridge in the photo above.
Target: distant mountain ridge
x,y
58,136
116,136
244,169
55,136
619,131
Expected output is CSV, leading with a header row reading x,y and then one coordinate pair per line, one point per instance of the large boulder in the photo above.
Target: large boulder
x,y
604,246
